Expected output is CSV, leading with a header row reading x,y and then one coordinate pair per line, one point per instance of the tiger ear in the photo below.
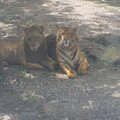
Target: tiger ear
x,y
40,28
60,29
58,26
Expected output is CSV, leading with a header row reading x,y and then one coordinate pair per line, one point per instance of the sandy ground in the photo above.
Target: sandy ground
x,y
48,95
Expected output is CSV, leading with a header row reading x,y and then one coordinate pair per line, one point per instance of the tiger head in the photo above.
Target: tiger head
x,y
34,37
66,36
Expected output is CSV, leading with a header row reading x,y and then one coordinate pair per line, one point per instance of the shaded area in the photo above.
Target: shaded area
x,y
36,95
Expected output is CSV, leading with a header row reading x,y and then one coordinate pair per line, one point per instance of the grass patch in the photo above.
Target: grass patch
x,y
111,54
8,16
2,77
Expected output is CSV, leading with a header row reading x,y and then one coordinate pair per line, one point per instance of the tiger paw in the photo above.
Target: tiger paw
x,y
72,74
53,66
82,72
83,69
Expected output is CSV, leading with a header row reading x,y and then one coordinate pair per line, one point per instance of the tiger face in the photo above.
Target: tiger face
x,y
34,37
66,37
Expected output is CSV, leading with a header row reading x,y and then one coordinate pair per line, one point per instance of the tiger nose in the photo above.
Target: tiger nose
x,y
33,46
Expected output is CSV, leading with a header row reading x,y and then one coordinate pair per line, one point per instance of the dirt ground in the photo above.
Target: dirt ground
x,y
48,95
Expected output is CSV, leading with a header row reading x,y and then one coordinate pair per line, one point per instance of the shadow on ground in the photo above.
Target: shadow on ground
x,y
45,95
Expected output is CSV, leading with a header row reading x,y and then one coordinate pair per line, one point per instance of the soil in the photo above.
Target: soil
x,y
50,95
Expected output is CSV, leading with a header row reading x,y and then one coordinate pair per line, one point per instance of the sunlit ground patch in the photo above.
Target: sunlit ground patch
x,y
30,95
116,94
61,76
28,75
4,25
89,106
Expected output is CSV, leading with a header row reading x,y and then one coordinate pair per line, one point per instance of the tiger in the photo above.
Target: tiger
x,y
31,51
68,55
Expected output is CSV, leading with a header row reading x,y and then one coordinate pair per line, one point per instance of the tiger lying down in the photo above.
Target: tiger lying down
x,y
68,55
31,51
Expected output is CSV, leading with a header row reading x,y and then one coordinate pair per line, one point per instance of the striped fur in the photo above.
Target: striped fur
x,y
69,56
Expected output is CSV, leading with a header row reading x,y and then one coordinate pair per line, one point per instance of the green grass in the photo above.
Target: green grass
x,y
111,53
115,3
2,77
7,16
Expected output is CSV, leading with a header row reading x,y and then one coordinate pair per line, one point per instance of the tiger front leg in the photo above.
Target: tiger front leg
x,y
32,65
70,72
49,63
83,67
